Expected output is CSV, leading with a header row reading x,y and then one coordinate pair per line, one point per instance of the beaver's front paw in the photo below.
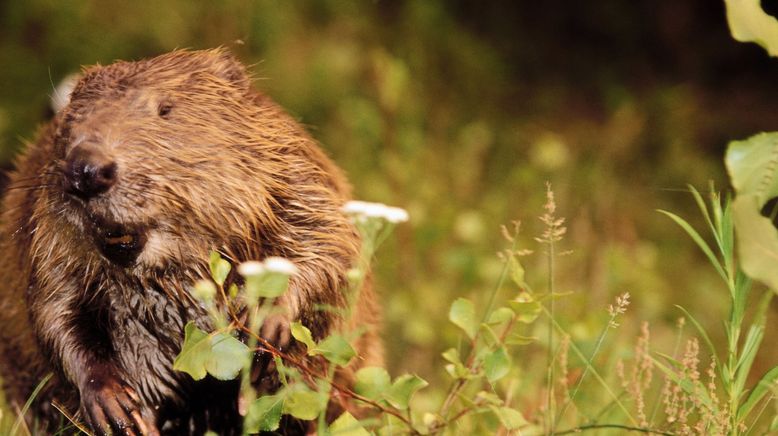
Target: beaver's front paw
x,y
111,407
276,331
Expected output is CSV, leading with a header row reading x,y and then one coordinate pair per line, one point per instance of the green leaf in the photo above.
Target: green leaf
x,y
372,382
489,336
686,385
527,308
757,240
451,355
268,284
488,398
511,419
194,353
304,404
703,333
204,290
286,374
227,356
748,22
264,414
457,369
233,291
517,272
403,388
699,241
220,355
501,316
497,364
220,268
462,314
762,387
517,339
753,173
302,334
347,425
336,349
752,343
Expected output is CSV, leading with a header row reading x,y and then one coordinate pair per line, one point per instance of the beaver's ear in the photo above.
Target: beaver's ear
x,y
225,65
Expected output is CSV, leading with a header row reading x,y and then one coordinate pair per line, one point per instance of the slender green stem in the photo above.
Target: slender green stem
x,y
676,348
256,314
459,384
327,388
501,280
591,368
550,353
597,346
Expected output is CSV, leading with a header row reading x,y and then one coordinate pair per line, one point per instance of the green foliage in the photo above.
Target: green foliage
x,y
462,314
264,414
219,354
402,389
748,167
303,334
749,23
220,268
347,425
372,382
751,165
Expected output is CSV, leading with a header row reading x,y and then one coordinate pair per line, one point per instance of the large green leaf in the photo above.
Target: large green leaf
x,y
347,425
497,364
462,314
264,414
303,334
219,354
511,419
372,382
753,170
748,22
762,387
303,403
194,353
403,388
220,268
336,349
227,357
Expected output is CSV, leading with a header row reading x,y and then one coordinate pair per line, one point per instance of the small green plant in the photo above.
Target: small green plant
x,y
307,384
482,396
735,414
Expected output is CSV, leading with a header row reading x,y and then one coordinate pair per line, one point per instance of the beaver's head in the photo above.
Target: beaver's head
x,y
159,156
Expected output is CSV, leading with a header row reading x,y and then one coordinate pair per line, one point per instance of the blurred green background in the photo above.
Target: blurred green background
x,y
460,111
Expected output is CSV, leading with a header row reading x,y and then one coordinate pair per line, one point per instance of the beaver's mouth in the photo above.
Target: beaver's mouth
x,y
119,243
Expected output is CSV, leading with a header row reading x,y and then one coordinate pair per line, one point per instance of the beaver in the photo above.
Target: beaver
x,y
109,219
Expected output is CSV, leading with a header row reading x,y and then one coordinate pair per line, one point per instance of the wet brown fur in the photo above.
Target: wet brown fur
x,y
225,170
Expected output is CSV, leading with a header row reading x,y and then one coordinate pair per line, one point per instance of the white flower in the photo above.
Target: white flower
x,y
376,210
251,268
395,214
280,265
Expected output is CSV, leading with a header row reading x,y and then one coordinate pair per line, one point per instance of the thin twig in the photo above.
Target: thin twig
x,y
619,426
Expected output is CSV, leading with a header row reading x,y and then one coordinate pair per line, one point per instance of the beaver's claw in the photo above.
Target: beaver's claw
x,y
111,408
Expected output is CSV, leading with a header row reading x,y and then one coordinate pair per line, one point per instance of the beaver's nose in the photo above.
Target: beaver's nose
x,y
88,172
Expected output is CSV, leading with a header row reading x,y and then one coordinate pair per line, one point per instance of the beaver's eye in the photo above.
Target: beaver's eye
x,y
164,109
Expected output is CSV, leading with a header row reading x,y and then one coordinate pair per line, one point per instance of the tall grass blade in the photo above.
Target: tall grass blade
x,y
20,418
762,387
694,391
703,333
752,343
699,241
